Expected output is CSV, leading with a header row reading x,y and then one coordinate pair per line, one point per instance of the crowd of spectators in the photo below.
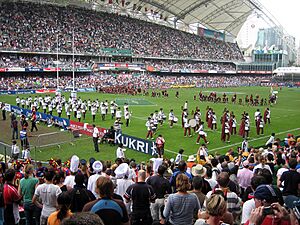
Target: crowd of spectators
x,y
189,65
43,61
34,27
244,186
128,79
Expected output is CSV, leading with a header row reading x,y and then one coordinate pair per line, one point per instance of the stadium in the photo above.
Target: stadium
x,y
147,112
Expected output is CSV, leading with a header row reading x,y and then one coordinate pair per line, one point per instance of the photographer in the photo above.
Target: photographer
x,y
267,209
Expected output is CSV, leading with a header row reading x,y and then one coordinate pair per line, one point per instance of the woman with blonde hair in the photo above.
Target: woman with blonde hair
x,y
181,206
216,207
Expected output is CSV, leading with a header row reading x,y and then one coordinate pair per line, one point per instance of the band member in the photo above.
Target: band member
x,y
187,127
214,121
267,116
171,118
103,111
113,108
185,106
232,124
117,126
33,122
160,143
183,114
149,125
161,116
201,134
197,117
247,126
18,101
59,110
83,109
242,126
93,111
78,114
226,131
261,126
127,116
209,118
119,113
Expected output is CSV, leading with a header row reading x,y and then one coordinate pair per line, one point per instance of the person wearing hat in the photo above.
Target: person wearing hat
x,y
120,151
97,168
123,180
244,176
191,162
267,209
70,180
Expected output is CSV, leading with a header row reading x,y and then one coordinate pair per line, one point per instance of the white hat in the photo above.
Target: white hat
x,y
191,158
198,170
122,170
97,166
74,164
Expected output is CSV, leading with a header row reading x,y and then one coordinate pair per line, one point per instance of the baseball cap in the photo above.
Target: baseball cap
x,y
265,192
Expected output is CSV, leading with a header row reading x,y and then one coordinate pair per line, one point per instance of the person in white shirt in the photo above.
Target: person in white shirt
x,y
271,140
179,156
93,112
97,168
119,113
171,118
95,137
233,125
103,111
149,125
120,151
214,121
201,134
15,150
78,115
127,115
45,196
187,128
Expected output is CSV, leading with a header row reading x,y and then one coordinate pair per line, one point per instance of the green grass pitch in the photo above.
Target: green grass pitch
x,y
284,119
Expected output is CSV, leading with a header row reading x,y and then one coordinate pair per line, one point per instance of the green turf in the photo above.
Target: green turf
x,y
284,119
133,101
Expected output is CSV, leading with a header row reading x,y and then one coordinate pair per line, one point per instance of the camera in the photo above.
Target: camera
x,y
268,211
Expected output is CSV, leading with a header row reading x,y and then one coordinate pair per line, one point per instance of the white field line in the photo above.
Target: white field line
x,y
255,139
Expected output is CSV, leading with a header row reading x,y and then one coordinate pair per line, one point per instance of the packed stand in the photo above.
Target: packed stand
x,y
43,61
247,186
105,82
34,27
190,65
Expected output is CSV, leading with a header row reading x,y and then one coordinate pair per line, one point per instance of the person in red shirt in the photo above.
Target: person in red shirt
x,y
11,199
267,209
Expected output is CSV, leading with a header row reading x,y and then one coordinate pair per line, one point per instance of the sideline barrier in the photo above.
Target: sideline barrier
x,y
137,144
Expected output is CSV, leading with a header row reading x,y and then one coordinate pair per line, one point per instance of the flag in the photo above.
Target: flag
x,y
271,90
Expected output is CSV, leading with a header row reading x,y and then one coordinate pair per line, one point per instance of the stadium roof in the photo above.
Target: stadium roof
x,y
220,15
223,15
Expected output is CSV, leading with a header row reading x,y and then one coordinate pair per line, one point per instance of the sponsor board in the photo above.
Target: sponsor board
x,y
86,129
137,144
61,122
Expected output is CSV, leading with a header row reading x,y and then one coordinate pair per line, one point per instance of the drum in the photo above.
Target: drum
x,y
192,123
164,117
175,120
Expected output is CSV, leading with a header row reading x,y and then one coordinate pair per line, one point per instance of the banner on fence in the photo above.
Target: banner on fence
x,y
61,122
86,129
15,92
137,144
